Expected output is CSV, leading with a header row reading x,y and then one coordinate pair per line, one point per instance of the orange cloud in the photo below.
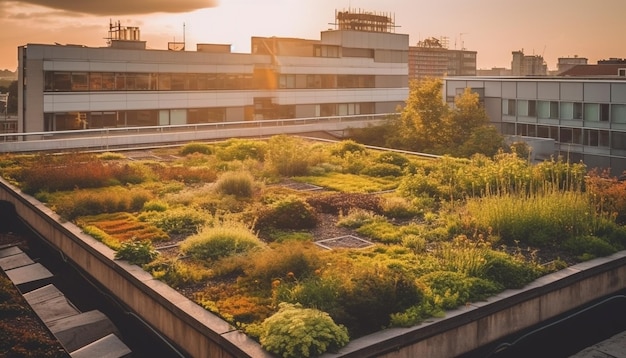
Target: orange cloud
x,y
119,7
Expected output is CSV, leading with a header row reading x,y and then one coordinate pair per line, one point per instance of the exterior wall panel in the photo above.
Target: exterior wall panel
x,y
527,90
597,92
572,91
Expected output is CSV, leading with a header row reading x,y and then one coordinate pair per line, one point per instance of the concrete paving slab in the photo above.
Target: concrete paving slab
x,y
55,308
108,347
15,261
10,251
42,294
28,278
77,331
614,347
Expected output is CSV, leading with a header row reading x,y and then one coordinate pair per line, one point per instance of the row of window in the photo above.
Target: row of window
x,y
592,112
260,79
262,109
568,135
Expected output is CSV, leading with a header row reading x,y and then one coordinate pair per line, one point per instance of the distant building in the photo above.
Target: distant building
x,y
432,58
360,67
565,63
612,61
584,116
528,65
495,71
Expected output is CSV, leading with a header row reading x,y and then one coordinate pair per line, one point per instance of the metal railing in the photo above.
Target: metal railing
x,y
115,136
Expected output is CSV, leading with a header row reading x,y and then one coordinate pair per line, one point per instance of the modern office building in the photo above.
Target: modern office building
x,y
584,116
360,67
431,58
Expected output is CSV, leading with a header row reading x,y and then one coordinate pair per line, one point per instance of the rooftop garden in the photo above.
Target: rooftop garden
x,y
305,245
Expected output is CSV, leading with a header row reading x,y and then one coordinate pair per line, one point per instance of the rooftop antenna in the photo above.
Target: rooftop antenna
x,y
177,46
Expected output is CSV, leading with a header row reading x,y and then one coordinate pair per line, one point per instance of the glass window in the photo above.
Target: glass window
x,y
603,139
508,107
62,81
547,109
142,118
49,85
142,81
314,81
567,110
604,112
578,110
95,81
178,82
120,81
165,82
80,81
508,128
543,109
618,140
565,135
554,110
618,113
522,107
108,81
543,131
287,81
532,108
592,112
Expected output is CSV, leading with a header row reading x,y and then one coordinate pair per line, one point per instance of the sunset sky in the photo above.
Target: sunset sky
x,y
493,28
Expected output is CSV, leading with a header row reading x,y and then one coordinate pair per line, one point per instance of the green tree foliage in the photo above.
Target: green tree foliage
x,y
422,124
427,124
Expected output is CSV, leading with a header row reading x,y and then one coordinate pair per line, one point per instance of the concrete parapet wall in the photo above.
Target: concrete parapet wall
x,y
192,329
200,333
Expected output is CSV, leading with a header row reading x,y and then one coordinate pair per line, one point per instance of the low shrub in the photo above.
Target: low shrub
x,y
187,175
195,147
295,332
155,205
336,203
137,252
179,220
287,156
588,246
224,239
178,273
350,182
382,230
311,292
290,212
239,184
420,184
372,292
283,236
241,149
382,170
76,171
450,290
347,146
356,217
111,156
393,158
293,260
84,202
508,271
399,208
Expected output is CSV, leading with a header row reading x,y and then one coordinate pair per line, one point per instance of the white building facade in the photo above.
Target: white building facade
x,y
346,72
585,117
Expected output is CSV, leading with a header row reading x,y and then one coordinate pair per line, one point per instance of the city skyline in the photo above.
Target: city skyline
x,y
492,28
